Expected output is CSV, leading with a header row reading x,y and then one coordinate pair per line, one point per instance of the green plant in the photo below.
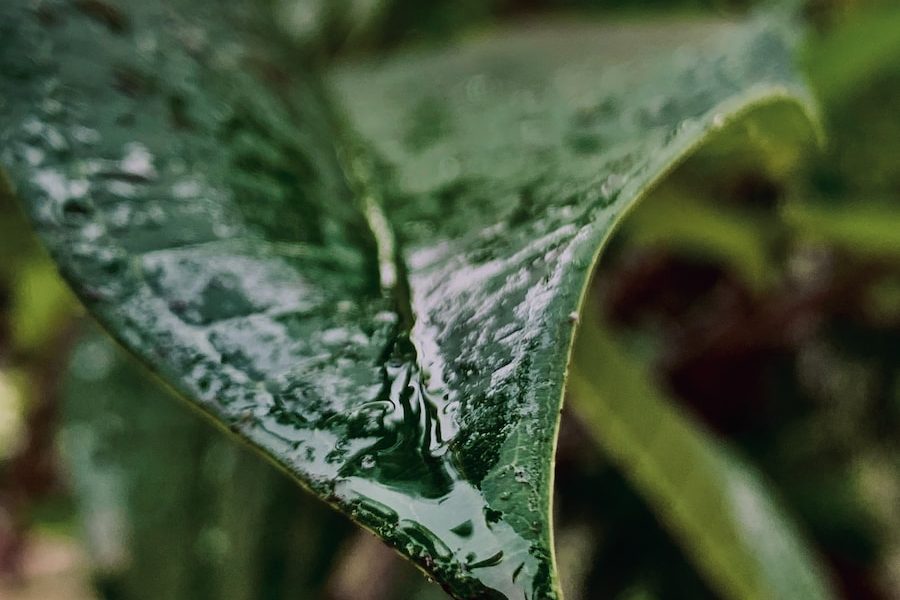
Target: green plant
x,y
373,274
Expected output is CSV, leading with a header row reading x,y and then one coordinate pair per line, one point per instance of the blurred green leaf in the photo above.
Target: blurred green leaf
x,y
884,299
42,305
170,508
715,504
867,229
12,411
850,54
739,240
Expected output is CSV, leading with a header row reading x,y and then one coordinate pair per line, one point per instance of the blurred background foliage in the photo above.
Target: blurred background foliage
x,y
765,300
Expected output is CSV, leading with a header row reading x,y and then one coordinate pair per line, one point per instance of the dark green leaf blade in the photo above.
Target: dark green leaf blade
x,y
504,176
185,175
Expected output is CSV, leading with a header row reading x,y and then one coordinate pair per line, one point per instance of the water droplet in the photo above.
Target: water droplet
x,y
85,135
490,561
138,162
33,156
187,189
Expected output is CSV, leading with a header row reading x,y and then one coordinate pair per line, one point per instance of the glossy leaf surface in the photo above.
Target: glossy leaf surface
x,y
232,221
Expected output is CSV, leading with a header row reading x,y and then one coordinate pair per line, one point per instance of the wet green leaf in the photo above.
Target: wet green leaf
x,y
718,507
374,279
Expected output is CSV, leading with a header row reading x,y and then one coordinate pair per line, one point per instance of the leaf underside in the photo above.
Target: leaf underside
x,y
230,218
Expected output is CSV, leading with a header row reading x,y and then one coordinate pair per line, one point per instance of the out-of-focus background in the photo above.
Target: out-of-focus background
x,y
766,302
